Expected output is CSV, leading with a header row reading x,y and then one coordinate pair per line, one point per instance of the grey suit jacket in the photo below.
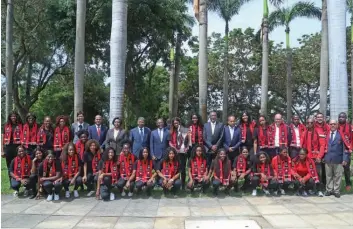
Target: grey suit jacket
x,y
213,139
115,143
74,130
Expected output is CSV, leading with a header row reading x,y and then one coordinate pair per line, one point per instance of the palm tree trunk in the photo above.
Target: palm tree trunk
x,y
118,43
264,77
9,57
177,73
324,60
289,77
171,84
79,55
352,63
226,76
338,57
203,60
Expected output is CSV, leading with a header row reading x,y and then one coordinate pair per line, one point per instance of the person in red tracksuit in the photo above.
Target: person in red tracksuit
x,y
311,142
322,128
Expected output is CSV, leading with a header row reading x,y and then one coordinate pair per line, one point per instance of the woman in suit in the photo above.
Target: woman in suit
x,y
116,136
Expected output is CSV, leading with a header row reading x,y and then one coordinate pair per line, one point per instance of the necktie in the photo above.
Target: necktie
x,y
332,136
99,131
80,127
141,134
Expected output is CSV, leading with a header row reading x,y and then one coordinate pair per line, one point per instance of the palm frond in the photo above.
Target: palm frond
x,y
276,18
276,3
226,9
350,6
304,9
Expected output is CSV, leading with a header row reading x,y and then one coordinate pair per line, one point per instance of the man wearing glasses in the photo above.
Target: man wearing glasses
x,y
335,158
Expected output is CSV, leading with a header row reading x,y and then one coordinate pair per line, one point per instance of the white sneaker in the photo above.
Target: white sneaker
x,y
67,194
282,192
112,196
320,194
123,193
15,194
305,194
76,195
267,192
90,193
50,197
130,194
56,197
25,193
254,192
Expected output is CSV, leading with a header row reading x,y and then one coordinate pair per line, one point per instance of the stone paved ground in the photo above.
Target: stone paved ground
x,y
167,213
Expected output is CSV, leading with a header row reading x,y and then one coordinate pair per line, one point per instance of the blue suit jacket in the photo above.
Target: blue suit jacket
x,y
92,131
335,150
235,142
216,138
157,146
137,142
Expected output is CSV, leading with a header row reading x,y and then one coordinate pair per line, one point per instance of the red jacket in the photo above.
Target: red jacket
x,y
311,141
322,131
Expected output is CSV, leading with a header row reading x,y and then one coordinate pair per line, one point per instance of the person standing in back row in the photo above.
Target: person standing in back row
x,y
98,131
78,126
159,141
139,136
213,137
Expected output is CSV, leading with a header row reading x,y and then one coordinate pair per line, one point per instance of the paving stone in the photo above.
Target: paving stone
x,y
289,200
15,208
75,209
206,211
349,204
203,202
320,200
335,207
260,200
5,216
169,223
259,219
178,202
173,211
140,209
239,211
97,222
6,199
272,209
109,208
323,220
134,223
348,198
302,209
283,221
334,227
345,216
58,222
44,207
224,224
23,221
229,201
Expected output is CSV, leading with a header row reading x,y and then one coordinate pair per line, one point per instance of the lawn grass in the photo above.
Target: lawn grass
x,y
5,183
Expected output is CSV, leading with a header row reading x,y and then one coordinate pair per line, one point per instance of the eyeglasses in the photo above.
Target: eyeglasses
x,y
333,124
309,122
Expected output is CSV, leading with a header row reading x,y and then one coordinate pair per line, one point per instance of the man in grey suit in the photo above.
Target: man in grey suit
x,y
78,126
140,136
159,141
335,158
212,136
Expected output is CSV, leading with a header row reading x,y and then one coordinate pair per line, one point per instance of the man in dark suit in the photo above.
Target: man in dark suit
x,y
78,126
98,131
159,141
140,136
232,139
335,158
213,137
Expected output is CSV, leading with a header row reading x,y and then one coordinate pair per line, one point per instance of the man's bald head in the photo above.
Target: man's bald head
x,y
278,119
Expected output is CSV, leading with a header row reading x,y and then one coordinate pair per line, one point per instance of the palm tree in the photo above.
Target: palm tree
x,y
118,45
336,12
265,53
9,57
283,17
324,59
79,55
350,10
226,10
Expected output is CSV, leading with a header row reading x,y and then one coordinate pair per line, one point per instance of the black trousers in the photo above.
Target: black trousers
x,y
294,151
106,187
31,151
122,182
204,185
217,183
347,173
319,169
272,152
91,181
57,154
140,184
78,183
285,185
209,157
49,185
10,154
183,157
175,188
247,183
15,185
34,181
272,184
309,185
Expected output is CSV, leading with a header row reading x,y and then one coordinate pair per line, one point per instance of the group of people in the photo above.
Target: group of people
x,y
241,155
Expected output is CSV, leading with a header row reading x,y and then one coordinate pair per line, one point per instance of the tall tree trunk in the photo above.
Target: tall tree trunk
x,y
177,73
9,57
79,55
338,57
324,64
118,46
264,77
171,84
289,77
226,76
352,65
203,60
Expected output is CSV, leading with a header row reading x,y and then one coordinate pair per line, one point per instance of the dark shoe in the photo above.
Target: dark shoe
x,y
33,196
328,193
337,195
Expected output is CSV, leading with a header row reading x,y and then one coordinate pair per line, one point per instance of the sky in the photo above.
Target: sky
x,y
250,15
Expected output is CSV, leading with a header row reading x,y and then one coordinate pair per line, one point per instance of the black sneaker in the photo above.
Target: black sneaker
x,y
328,193
337,195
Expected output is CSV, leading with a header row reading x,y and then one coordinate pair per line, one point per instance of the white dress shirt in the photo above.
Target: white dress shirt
x,y
116,132
231,131
296,130
277,137
160,133
213,126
